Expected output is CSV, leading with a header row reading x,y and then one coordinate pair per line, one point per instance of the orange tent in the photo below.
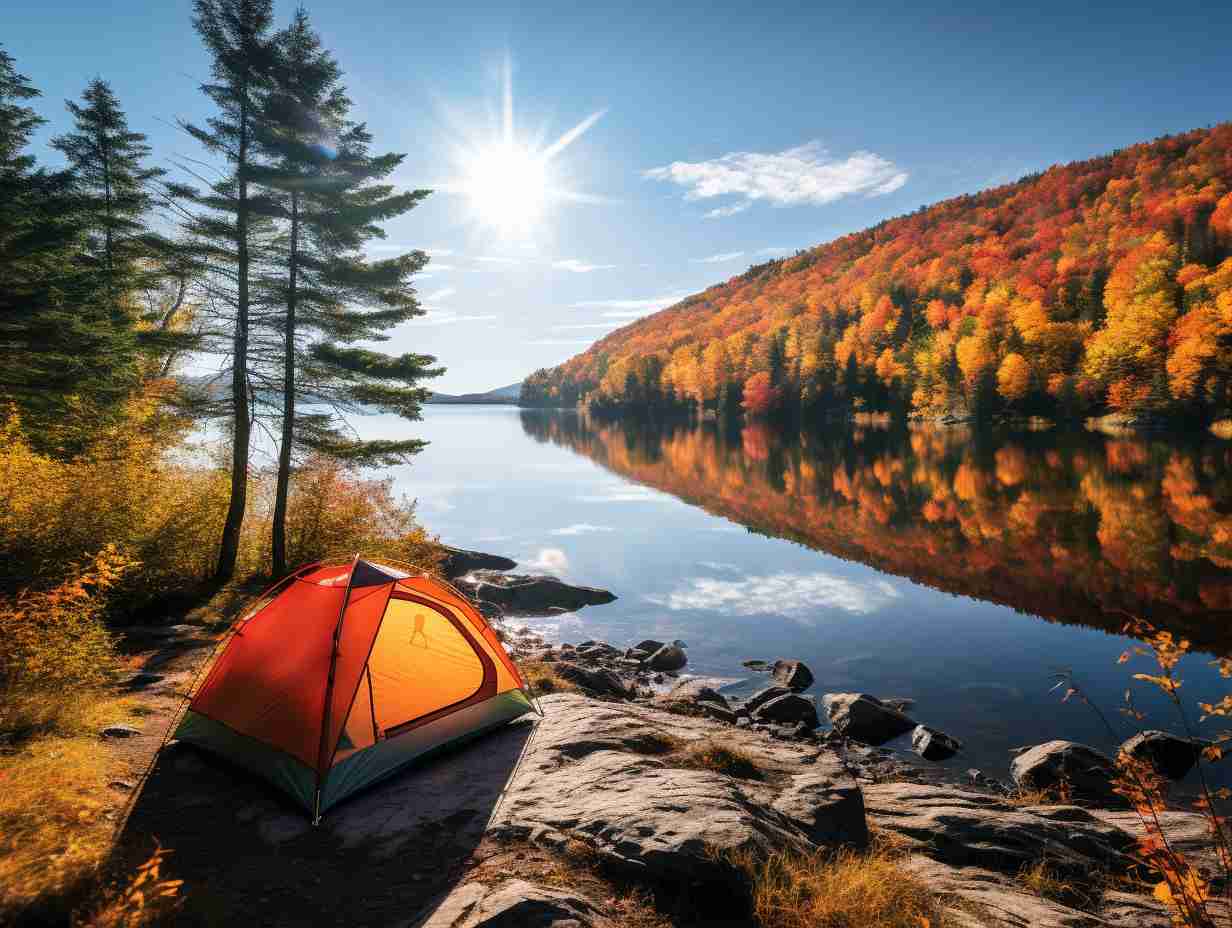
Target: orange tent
x,y
344,673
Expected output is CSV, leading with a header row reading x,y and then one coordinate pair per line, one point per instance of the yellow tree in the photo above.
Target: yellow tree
x,y
1014,377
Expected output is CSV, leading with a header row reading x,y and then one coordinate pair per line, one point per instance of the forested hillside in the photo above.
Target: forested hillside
x,y
1103,285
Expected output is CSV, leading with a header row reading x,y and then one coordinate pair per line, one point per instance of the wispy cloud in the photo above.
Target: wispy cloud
x,y
440,252
774,251
624,313
582,528
585,325
653,303
800,596
449,317
497,259
625,493
442,294
721,212
807,174
720,258
579,267
560,341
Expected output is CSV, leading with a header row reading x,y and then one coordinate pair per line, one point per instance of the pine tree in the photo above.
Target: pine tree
x,y
71,361
223,235
113,187
324,183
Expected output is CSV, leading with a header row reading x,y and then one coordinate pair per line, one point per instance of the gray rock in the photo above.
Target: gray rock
x,y
459,562
759,666
523,594
698,688
649,646
1170,755
790,708
120,731
865,718
794,675
763,696
587,775
1085,771
716,711
965,828
932,744
596,681
668,657
516,904
901,703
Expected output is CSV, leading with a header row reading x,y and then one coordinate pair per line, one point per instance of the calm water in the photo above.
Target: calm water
x,y
957,568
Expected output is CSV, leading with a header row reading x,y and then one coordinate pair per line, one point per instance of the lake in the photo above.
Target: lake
x,y
961,568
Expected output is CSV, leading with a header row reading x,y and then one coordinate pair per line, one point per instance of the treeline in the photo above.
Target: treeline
x,y
112,273
1099,286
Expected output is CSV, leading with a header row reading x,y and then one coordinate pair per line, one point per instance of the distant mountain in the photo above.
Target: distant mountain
x,y
509,394
1093,287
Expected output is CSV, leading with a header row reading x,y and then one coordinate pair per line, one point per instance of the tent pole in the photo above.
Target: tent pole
x,y
329,695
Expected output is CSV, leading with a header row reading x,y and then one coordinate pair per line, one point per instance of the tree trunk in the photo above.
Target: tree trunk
x,y
288,403
229,548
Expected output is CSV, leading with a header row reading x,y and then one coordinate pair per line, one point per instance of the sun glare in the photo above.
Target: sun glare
x,y
508,182
507,185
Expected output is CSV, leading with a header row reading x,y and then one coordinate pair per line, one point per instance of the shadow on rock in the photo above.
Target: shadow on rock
x,y
247,856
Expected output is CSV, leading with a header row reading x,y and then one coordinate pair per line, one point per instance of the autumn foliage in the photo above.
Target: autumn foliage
x,y
1102,285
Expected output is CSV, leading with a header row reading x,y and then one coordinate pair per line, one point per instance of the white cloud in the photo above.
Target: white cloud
x,y
719,258
579,267
436,268
804,175
582,528
439,252
560,341
442,294
497,259
799,596
586,325
774,250
553,560
645,305
449,317
626,493
625,314
721,212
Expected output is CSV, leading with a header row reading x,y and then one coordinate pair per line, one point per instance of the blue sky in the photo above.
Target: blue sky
x,y
728,132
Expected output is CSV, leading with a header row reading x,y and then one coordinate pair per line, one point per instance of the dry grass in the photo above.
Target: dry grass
x,y
1039,797
845,889
729,761
53,836
542,678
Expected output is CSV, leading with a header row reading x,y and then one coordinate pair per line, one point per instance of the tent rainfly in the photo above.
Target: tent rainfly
x,y
344,673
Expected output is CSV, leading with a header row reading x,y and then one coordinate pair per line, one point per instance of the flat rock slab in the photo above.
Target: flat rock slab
x,y
596,772
965,828
515,904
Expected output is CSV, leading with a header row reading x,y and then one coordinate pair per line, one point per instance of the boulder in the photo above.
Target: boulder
x,y
595,772
865,718
1085,772
593,680
715,711
459,562
525,594
792,674
762,696
649,646
789,708
668,657
515,904
932,744
758,666
1170,755
698,689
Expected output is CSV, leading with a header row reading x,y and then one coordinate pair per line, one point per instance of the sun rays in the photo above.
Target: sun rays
x,y
511,181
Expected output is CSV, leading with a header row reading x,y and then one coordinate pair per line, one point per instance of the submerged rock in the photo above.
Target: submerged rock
x,y
525,594
932,744
866,718
1170,755
794,675
1084,771
459,562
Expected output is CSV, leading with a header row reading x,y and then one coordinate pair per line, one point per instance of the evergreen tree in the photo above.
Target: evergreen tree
x,y
72,361
326,188
224,233
107,160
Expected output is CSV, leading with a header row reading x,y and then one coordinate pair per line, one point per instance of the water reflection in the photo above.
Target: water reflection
x,y
1072,527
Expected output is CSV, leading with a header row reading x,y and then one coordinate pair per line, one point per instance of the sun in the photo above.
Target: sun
x,y
510,182
507,185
